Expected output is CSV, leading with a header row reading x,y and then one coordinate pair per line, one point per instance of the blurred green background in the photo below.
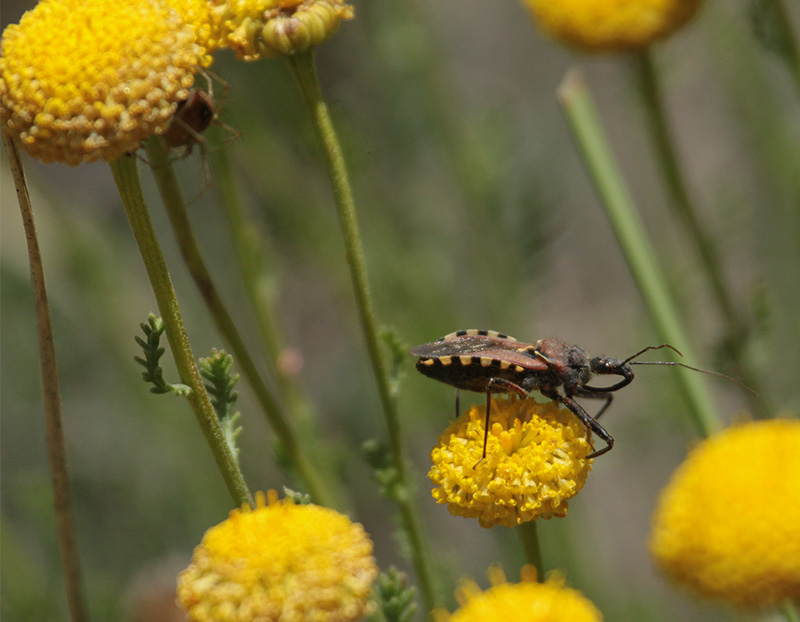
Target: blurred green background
x,y
476,212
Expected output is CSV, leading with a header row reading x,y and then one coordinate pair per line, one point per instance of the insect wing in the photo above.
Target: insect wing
x,y
464,344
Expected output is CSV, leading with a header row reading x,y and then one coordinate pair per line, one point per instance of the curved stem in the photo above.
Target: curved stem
x,y
529,537
305,74
190,251
51,397
127,179
639,254
736,329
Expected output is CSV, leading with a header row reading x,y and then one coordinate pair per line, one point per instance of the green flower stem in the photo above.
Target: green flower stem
x,y
529,537
127,179
736,329
582,118
791,48
790,611
305,74
51,398
260,281
190,251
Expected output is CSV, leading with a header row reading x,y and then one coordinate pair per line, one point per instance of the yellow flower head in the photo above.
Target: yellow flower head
x,y
280,562
611,25
527,601
82,80
728,523
535,461
269,28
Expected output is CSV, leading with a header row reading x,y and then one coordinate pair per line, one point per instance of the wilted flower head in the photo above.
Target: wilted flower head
x,y
280,562
82,80
728,523
535,462
611,25
269,28
527,601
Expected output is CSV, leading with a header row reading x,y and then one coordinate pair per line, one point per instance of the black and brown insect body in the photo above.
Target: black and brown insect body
x,y
191,118
490,362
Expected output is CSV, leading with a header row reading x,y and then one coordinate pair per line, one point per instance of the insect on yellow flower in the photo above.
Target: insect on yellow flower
x,y
82,80
726,526
280,562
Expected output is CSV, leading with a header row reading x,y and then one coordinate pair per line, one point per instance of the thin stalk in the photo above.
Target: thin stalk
x,y
529,537
736,329
790,48
260,280
193,258
51,398
127,179
304,70
582,118
790,611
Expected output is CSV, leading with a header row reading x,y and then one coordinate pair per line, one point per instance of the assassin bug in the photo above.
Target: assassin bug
x,y
491,362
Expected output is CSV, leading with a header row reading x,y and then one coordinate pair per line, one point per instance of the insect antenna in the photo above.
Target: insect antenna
x,y
630,361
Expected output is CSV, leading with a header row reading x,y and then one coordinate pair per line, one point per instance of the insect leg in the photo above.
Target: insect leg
x,y
458,403
608,397
590,423
508,387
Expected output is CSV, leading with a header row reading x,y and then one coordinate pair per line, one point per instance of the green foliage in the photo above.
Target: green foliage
x,y
217,369
396,599
153,352
377,455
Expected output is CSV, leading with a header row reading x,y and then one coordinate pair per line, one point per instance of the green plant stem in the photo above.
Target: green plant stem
x,y
253,257
582,118
51,399
736,329
791,51
529,537
790,611
304,70
193,258
127,180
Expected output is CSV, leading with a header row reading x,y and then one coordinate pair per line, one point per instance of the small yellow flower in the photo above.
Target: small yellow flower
x,y
82,80
728,523
270,28
535,461
611,25
280,562
527,601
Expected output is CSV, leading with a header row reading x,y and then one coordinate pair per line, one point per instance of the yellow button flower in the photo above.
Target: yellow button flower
x,y
527,601
82,80
280,562
728,523
535,461
270,28
611,25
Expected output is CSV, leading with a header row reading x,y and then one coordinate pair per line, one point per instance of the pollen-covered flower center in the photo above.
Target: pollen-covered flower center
x,y
535,462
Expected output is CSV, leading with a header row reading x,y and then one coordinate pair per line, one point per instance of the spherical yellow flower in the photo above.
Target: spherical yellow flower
x,y
728,523
280,562
535,461
82,80
527,601
612,25
270,28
